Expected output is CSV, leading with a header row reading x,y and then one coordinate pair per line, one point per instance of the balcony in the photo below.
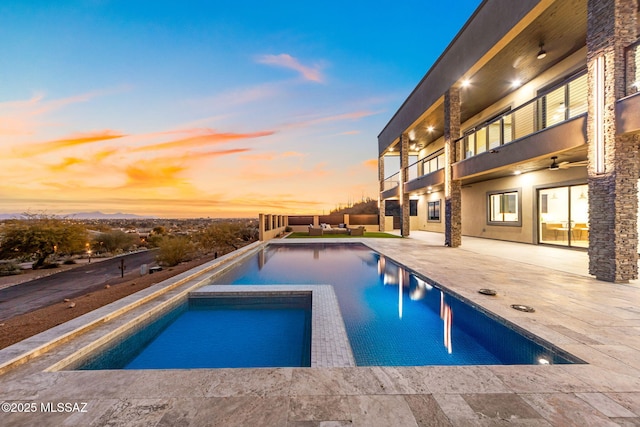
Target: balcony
x,y
557,106
391,185
428,171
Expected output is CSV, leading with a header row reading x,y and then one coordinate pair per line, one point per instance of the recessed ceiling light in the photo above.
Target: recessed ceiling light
x,y
466,83
516,83
430,128
517,172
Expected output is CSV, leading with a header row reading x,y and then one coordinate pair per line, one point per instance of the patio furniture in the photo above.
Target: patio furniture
x,y
357,231
328,229
315,231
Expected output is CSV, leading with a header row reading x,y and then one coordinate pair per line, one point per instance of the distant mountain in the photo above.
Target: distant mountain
x,y
11,216
100,215
83,215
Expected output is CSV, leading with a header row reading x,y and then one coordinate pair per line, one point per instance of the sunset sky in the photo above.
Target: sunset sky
x,y
205,108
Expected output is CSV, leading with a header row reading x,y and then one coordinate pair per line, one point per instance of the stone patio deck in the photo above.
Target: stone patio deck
x,y
596,321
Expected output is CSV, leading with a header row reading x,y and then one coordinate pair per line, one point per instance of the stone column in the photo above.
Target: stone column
x,y
405,223
452,188
380,199
613,164
261,227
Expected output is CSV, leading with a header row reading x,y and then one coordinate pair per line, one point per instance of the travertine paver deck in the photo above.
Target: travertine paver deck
x,y
596,321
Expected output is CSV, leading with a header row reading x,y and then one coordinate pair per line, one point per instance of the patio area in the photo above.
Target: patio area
x,y
596,321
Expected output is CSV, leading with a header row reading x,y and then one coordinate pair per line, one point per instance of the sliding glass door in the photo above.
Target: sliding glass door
x,y
563,216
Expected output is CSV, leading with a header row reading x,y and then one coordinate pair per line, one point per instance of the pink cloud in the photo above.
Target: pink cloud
x,y
354,115
287,61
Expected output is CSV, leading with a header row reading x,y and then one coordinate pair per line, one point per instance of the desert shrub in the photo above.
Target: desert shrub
x,y
9,269
174,250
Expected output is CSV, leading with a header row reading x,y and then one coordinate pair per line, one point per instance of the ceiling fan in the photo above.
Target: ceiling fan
x,y
565,165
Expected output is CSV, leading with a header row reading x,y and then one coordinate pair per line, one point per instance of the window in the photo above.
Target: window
x,y
433,211
413,208
504,208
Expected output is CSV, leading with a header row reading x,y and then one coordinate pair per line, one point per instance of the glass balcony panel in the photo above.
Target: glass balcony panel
x,y
413,171
578,96
507,125
470,146
633,69
555,107
524,121
494,134
481,141
433,165
440,162
392,182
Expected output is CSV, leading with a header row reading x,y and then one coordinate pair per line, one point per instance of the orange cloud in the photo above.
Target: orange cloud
x,y
202,140
287,61
371,164
72,141
66,162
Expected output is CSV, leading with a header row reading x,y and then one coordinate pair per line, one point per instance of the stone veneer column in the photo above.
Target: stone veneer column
x,y
452,188
261,227
613,193
381,207
405,219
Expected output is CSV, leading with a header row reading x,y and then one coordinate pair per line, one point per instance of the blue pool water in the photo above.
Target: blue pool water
x,y
392,316
216,333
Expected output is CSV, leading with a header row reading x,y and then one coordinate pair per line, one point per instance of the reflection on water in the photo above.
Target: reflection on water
x,y
394,275
388,326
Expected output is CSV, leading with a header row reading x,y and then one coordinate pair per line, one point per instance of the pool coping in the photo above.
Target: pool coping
x,y
32,347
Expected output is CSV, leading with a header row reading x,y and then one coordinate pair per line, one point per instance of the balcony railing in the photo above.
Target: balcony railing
x,y
391,182
556,106
632,68
427,165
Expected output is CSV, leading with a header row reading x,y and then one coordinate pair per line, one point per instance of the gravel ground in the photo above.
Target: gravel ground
x,y
20,327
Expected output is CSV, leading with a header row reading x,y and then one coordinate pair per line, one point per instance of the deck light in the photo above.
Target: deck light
x,y
541,53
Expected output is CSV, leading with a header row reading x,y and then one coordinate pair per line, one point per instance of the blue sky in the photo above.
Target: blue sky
x,y
205,108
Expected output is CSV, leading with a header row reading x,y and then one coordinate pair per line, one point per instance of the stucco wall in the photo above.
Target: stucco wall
x,y
474,203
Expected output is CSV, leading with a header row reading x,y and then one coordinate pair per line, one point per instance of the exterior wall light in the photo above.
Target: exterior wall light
x,y
598,114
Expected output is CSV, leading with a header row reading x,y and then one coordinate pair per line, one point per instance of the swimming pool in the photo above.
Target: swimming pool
x,y
215,332
393,316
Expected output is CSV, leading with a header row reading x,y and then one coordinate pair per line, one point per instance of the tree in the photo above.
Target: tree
x,y
40,236
227,235
159,229
174,250
114,241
